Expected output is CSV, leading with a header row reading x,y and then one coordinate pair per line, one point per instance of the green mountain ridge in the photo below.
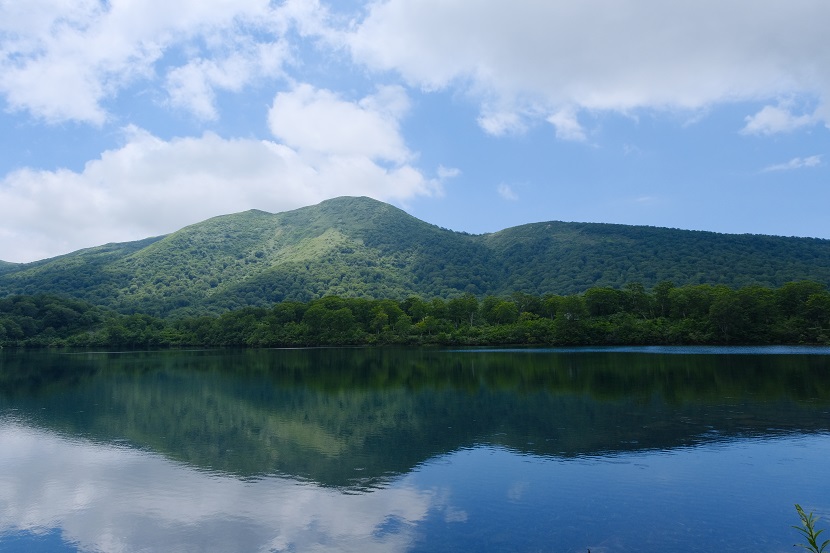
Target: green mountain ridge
x,y
359,247
7,266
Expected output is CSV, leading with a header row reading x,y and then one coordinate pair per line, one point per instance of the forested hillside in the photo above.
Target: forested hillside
x,y
362,248
6,266
796,313
571,257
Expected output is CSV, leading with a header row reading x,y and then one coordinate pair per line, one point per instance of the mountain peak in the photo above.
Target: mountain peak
x,y
349,205
361,247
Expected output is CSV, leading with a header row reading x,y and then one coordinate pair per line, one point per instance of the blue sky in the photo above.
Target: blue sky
x,y
122,120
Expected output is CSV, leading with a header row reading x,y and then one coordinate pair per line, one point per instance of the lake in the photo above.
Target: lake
x,y
417,450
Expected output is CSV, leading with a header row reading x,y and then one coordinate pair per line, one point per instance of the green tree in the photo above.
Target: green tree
x,y
637,300
693,301
416,308
792,297
380,319
438,309
550,305
570,325
462,310
662,297
604,301
505,312
527,303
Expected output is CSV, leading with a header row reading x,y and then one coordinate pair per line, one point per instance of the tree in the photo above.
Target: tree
x,y
380,320
792,297
438,308
505,312
604,301
572,308
662,297
637,301
550,305
691,301
339,326
817,310
570,324
527,303
488,304
463,310
416,308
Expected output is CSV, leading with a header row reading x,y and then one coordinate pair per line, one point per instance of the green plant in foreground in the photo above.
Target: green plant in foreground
x,y
808,530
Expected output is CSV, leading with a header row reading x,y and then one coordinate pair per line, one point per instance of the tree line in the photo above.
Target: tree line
x,y
795,313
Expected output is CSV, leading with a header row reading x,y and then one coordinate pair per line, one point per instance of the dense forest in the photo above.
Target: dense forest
x,y
355,271
795,313
359,248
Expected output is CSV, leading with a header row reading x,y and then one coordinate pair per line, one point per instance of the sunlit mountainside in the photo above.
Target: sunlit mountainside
x,y
359,247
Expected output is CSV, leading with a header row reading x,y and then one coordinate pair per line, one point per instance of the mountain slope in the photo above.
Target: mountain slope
x,y
6,266
365,248
570,257
347,246
89,274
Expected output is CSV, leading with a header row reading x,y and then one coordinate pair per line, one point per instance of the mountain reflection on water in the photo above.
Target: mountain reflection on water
x,y
324,449
321,414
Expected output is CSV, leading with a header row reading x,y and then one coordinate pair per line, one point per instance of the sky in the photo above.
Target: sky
x,y
124,119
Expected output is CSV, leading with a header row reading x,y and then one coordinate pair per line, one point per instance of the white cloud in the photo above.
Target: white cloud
x,y
62,60
189,86
775,119
151,186
537,58
498,123
192,86
445,173
506,192
314,120
567,125
795,163
524,61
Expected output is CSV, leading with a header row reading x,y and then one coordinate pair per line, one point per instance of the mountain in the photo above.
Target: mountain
x,y
366,248
6,266
571,257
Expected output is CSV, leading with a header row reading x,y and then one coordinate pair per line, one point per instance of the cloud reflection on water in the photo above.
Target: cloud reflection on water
x,y
110,499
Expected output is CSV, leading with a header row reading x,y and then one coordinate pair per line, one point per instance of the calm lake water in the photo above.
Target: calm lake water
x,y
387,450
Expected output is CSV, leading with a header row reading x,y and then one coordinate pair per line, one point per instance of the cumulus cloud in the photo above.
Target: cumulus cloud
x,y
567,125
193,86
314,120
795,163
150,186
63,60
775,119
523,62
498,123
541,57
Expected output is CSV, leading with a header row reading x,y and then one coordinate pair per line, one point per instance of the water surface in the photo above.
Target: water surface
x,y
413,450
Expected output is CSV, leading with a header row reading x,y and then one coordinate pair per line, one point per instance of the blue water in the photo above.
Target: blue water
x,y
407,451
